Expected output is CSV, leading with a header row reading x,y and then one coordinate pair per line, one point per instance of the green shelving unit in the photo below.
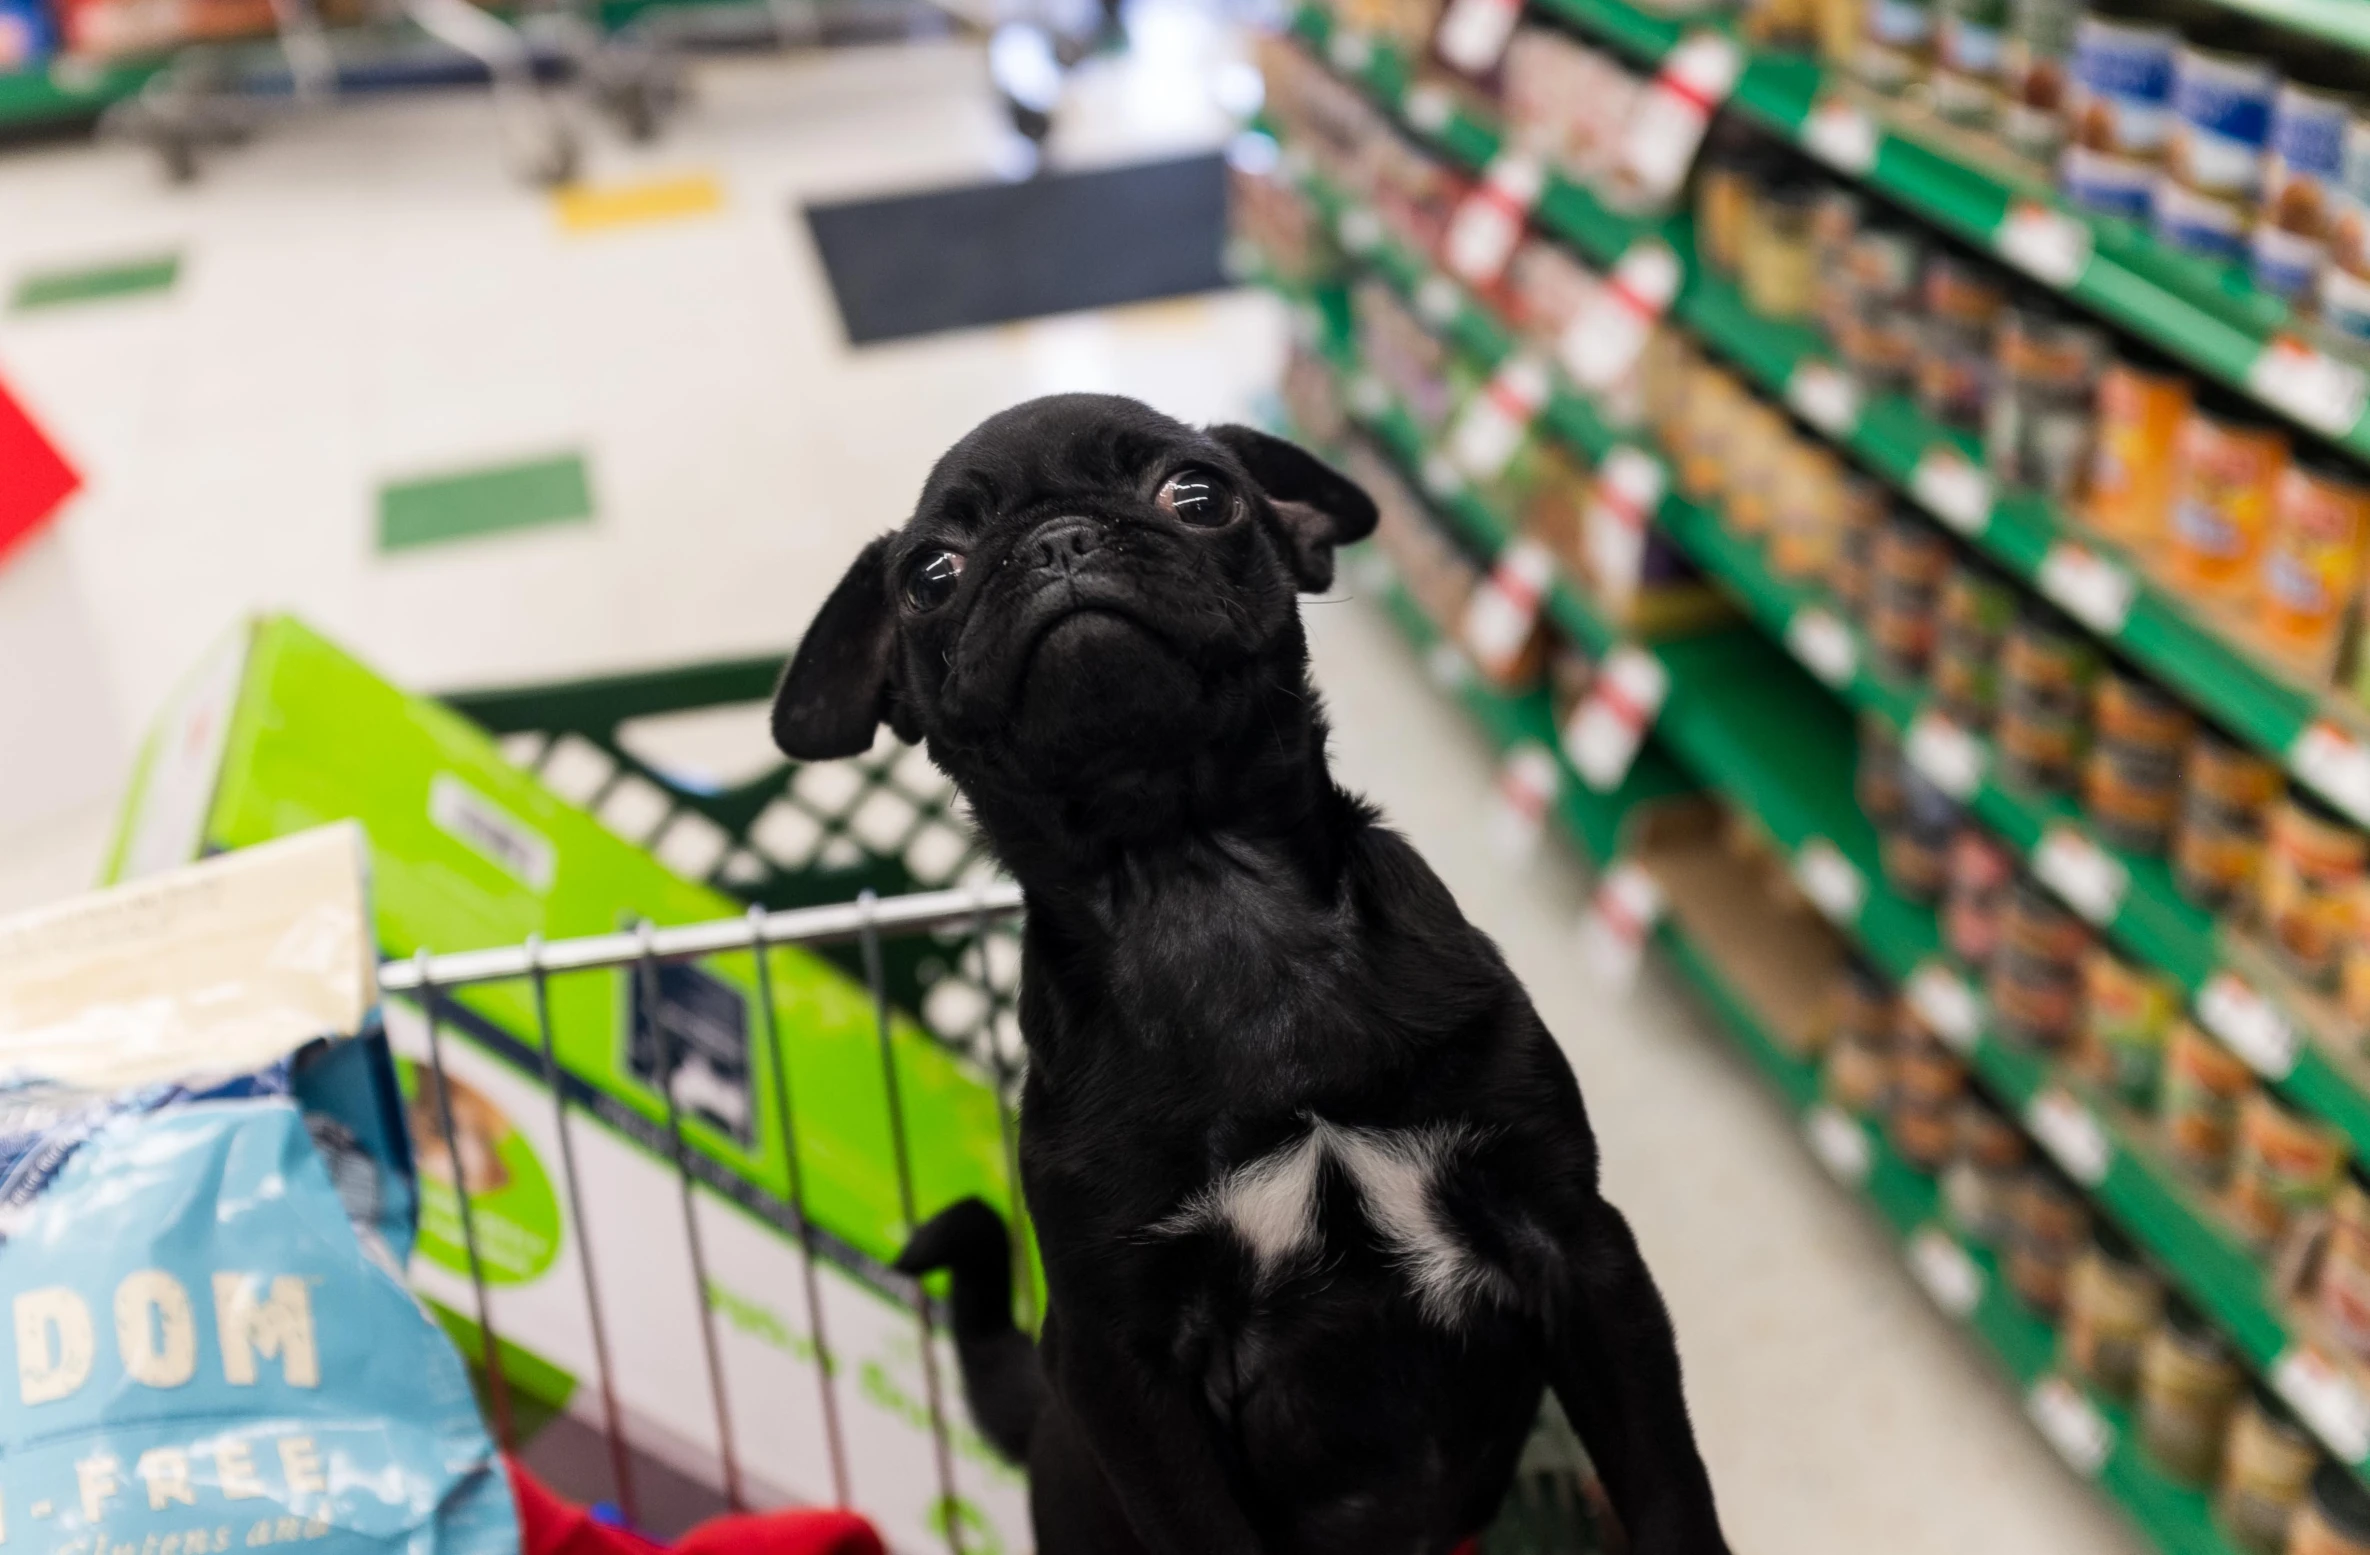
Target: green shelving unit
x,y
67,92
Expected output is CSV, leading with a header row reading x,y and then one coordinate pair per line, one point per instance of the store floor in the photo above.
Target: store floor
x,y
367,299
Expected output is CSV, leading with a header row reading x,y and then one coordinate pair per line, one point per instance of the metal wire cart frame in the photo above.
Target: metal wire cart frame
x,y
814,850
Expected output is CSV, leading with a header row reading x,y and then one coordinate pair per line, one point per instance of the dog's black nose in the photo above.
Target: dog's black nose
x,y
1059,543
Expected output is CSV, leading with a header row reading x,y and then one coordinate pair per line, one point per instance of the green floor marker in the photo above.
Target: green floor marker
x,y
483,502
95,283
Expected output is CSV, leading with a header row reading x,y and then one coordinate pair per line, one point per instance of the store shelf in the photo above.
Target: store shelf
x,y
1963,1278
66,92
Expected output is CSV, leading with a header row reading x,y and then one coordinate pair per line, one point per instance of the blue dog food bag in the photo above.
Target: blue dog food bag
x,y
206,1203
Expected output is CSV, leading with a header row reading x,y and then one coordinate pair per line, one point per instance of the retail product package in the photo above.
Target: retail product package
x,y
206,1200
278,730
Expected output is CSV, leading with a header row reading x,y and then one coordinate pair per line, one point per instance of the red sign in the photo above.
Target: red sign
x,y
34,477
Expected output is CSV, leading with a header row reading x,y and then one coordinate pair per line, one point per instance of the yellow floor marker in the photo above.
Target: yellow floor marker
x,y
599,207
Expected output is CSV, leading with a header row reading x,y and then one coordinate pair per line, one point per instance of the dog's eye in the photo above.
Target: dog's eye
x,y
930,581
1197,497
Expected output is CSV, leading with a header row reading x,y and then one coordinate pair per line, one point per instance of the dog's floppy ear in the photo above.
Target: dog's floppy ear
x,y
840,684
1320,507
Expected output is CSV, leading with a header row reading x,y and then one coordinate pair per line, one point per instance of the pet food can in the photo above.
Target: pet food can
x,y
1978,606
2218,856
2203,1083
1958,289
1952,375
1969,44
1852,577
1780,262
1859,1074
2195,221
2312,562
1781,24
1757,448
2048,661
1716,403
2127,1012
2132,780
2033,63
1865,1008
2222,90
2047,1226
2353,973
1839,24
1916,848
1896,44
2143,402
2119,100
2036,978
2335,1517
2266,1475
2228,776
2229,463
1876,781
1885,257
2303,175
1981,868
1911,559
1979,1185
1834,220
2283,1164
1879,342
2340,1299
2039,422
2040,747
2313,862
2113,1302
1724,188
2189,1384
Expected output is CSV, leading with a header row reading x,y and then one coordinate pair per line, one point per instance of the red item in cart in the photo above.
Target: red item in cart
x,y
38,477
550,1526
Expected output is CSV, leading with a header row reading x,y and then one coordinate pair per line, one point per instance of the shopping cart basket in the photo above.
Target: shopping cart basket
x,y
827,854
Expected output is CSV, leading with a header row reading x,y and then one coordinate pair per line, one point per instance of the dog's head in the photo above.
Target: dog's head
x,y
1087,592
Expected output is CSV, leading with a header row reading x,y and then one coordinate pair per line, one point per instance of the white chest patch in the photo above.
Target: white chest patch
x,y
1271,1205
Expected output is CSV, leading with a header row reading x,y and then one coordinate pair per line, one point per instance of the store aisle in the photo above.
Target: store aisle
x,y
370,301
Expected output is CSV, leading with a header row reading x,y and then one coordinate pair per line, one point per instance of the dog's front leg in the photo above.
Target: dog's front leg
x,y
1615,1366
1152,1445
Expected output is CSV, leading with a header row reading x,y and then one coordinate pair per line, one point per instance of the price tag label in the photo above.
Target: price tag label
x,y
2249,1025
1821,394
1368,398
1628,488
1944,1269
2337,765
2048,245
2085,585
1428,107
1953,490
1360,230
2326,1400
1351,52
1498,417
1527,785
1667,124
1437,300
1946,1006
2071,1134
1945,755
2325,394
1504,610
1609,725
1473,33
1449,668
1841,136
1831,882
2071,1424
2091,880
1824,645
1839,1142
1601,344
1627,904
1489,222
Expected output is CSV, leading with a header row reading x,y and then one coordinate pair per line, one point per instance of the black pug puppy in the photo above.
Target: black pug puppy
x,y
1316,1194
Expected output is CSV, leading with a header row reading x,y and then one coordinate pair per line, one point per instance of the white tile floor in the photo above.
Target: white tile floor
x,y
368,295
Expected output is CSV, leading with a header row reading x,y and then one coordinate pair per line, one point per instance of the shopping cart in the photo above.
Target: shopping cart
x,y
835,878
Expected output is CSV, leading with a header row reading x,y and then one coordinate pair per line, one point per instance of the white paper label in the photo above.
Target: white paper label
x,y
2050,246
1831,882
1945,755
1953,490
2085,585
2325,394
1609,725
1839,1143
1489,222
2072,1136
1359,229
1944,1269
1473,33
1822,395
2249,1025
1667,123
1498,417
2072,1425
1427,107
1351,52
1602,342
1841,136
1504,610
2325,1400
1627,904
1527,784
2091,880
1947,1006
1825,645
2337,765
1437,300
1627,489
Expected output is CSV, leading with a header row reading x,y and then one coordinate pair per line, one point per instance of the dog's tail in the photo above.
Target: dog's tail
x,y
1002,1381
